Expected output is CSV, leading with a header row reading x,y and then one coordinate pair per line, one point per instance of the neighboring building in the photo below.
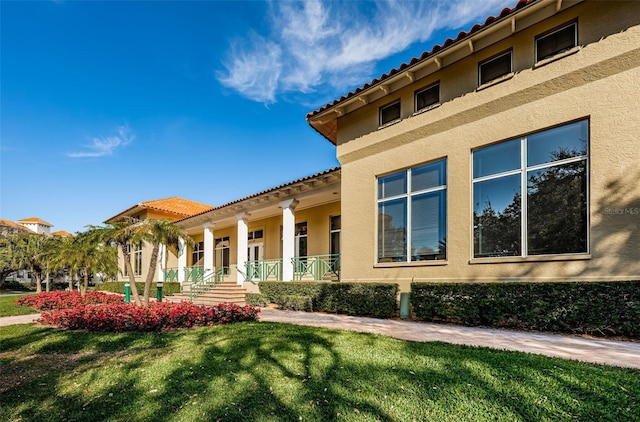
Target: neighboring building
x,y
508,153
289,232
62,233
9,227
36,225
173,209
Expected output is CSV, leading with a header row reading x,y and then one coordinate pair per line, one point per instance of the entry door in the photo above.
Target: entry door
x,y
255,252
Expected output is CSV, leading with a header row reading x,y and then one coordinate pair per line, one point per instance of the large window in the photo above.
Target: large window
x,y
197,256
412,214
530,194
494,68
335,226
557,41
301,239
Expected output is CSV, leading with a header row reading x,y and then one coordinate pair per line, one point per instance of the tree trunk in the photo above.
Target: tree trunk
x,y
38,277
70,280
85,285
132,279
47,283
152,272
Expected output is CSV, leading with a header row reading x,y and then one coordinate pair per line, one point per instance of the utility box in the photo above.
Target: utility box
x,y
405,312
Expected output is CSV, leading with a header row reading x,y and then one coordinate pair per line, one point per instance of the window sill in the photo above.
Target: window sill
x,y
428,108
538,258
391,123
410,264
558,56
495,81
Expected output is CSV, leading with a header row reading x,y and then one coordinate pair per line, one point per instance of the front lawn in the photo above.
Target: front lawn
x,y
267,371
9,308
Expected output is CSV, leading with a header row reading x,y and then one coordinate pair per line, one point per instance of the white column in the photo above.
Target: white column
x,y
288,237
208,249
161,262
182,260
243,244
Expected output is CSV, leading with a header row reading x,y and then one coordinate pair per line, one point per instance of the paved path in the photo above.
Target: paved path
x,y
617,353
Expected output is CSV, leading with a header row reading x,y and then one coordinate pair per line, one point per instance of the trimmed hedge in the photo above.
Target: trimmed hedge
x,y
168,288
596,308
295,303
255,299
364,299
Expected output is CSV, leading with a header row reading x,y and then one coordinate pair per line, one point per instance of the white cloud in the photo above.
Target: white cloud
x,y
100,147
317,43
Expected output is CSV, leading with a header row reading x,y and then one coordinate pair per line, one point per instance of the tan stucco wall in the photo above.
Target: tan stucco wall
x,y
600,82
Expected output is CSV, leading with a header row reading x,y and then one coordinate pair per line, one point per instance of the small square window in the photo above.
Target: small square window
x,y
556,41
494,68
428,96
389,113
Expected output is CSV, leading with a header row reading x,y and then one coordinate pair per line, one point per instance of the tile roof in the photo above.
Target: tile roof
x,y
435,49
275,188
62,233
35,220
7,223
173,205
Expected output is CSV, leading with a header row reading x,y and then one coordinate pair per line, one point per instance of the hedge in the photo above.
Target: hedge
x,y
168,288
363,299
596,308
255,299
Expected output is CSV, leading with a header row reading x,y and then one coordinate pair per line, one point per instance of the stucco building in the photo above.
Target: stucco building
x,y
508,153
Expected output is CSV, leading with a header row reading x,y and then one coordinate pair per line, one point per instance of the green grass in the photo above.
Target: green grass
x,y
273,372
9,308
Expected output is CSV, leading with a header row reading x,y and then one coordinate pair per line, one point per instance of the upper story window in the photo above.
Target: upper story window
x,y
255,235
557,41
389,113
530,194
428,96
197,256
412,214
494,68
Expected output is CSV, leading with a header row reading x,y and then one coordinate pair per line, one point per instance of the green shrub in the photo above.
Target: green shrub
x,y
597,308
168,288
364,299
295,303
255,299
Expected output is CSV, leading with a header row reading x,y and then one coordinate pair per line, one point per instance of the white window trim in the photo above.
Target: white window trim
x,y
390,122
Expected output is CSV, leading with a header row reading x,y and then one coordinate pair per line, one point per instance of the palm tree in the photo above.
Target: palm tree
x,y
123,233
32,252
160,232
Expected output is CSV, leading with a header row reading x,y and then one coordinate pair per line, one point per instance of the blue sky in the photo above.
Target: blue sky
x,y
106,104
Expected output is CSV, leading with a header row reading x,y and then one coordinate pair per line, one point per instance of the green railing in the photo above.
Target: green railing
x,y
171,275
194,274
263,270
207,283
319,267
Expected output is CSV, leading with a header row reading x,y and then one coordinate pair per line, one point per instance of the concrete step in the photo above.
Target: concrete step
x,y
226,292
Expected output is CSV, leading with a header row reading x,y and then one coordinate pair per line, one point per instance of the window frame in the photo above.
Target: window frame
x,y
408,196
491,59
197,251
424,89
387,106
522,173
219,245
552,31
137,260
332,232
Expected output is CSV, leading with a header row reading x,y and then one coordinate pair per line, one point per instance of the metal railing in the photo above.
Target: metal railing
x,y
207,283
263,270
171,275
316,267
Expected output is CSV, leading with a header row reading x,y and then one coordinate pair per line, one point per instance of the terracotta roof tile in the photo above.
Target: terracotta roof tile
x,y
62,233
35,220
173,205
435,49
7,223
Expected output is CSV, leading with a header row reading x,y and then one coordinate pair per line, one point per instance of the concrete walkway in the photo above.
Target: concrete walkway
x,y
616,353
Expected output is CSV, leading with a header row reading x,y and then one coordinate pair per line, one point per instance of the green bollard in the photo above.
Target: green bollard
x,y
127,292
159,291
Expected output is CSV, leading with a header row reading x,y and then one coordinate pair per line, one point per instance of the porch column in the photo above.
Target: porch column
x,y
243,244
288,237
182,260
162,253
208,249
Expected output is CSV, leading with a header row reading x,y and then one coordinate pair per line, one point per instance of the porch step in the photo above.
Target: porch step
x,y
225,292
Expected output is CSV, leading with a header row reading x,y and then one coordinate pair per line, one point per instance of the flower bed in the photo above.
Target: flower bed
x,y
65,300
156,317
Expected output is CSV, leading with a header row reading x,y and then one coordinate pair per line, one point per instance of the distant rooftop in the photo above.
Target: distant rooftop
x,y
179,207
35,220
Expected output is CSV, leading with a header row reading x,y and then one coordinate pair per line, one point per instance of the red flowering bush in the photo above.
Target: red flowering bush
x,y
156,317
64,300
